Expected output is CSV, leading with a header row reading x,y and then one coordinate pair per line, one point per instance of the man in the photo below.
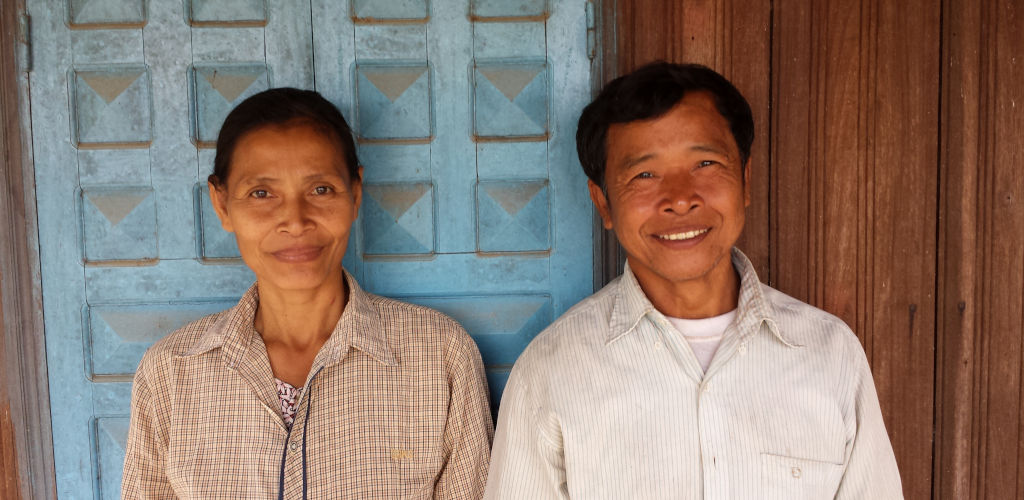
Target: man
x,y
686,377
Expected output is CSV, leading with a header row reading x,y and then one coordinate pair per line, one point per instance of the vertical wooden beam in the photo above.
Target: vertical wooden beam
x,y
854,191
980,449
26,451
958,320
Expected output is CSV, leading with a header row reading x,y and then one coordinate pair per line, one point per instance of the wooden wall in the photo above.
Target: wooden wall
x,y
9,478
889,190
26,453
980,435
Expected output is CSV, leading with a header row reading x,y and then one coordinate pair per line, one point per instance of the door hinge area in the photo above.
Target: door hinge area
x,y
591,30
25,43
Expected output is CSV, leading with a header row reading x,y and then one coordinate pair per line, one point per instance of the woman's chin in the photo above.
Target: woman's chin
x,y
298,279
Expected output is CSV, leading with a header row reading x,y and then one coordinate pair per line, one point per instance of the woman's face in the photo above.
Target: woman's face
x,y
290,202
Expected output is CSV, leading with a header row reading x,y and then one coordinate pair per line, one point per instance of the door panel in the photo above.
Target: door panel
x,y
474,202
464,112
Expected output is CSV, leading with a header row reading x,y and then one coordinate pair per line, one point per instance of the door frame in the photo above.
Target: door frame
x,y
24,385
23,382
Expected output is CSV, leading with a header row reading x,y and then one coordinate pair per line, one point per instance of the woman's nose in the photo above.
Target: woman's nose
x,y
294,217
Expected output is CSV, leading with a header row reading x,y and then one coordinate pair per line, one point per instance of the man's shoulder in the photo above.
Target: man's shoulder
x,y
583,327
805,324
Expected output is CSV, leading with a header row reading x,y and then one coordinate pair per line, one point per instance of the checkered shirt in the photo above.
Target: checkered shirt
x,y
395,406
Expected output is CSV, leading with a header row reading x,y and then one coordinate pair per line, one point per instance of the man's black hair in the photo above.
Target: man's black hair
x,y
278,107
650,92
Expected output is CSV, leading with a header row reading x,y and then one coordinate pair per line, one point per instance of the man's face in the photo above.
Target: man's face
x,y
676,194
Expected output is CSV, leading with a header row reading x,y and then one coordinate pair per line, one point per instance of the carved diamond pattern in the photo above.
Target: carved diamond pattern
x,y
367,11
112,107
398,219
100,14
513,216
511,101
218,89
118,225
393,102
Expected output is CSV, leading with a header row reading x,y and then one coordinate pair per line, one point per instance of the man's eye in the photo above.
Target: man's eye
x,y
322,190
644,175
706,163
259,193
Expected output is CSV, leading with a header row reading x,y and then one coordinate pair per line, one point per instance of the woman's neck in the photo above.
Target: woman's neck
x,y
300,320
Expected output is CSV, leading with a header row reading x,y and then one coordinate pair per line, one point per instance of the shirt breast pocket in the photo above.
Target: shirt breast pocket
x,y
791,478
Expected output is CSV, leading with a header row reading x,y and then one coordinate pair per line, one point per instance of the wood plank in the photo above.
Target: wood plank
x,y
1002,250
900,306
25,443
855,88
957,332
9,473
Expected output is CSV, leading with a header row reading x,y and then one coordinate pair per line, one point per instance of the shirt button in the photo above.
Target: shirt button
x,y
707,386
657,344
795,471
743,349
294,446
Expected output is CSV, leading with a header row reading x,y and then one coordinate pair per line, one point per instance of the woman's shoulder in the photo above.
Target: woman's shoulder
x,y
414,324
398,313
180,341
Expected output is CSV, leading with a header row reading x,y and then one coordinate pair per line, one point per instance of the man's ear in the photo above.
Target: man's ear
x,y
597,195
219,200
746,184
356,185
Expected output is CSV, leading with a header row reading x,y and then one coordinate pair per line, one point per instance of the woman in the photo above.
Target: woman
x,y
309,387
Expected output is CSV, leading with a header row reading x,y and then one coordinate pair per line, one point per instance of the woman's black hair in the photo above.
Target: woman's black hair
x,y
650,92
277,107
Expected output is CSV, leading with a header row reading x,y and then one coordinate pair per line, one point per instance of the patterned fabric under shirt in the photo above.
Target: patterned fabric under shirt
x,y
289,395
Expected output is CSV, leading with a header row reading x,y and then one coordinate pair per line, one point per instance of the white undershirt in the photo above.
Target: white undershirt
x,y
703,335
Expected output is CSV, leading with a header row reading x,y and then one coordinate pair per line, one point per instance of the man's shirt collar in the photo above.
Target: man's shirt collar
x,y
631,305
359,327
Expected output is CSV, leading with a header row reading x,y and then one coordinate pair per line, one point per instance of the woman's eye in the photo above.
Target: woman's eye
x,y
259,193
322,190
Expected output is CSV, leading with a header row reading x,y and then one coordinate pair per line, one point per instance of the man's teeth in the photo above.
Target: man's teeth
x,y
683,236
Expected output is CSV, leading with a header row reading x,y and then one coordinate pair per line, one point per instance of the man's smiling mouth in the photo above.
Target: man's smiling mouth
x,y
685,235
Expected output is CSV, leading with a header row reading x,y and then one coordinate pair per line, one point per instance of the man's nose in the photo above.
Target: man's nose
x,y
679,194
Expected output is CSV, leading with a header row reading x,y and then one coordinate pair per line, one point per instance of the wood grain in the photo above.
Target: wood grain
x,y
26,452
9,473
854,204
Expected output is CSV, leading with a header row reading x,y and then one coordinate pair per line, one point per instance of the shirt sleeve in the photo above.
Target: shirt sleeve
x,y
871,465
145,472
469,429
526,462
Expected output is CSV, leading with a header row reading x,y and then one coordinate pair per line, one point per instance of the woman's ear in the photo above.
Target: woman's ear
x,y
219,200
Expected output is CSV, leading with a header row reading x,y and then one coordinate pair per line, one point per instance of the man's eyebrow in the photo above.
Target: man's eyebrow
x,y
633,160
710,148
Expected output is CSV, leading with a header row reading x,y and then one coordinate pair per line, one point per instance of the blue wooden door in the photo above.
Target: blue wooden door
x,y
465,114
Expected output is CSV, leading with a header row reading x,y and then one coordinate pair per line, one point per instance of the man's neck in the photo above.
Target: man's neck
x,y
713,294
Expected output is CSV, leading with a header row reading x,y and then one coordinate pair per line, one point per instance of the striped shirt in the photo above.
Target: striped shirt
x,y
610,402
395,406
